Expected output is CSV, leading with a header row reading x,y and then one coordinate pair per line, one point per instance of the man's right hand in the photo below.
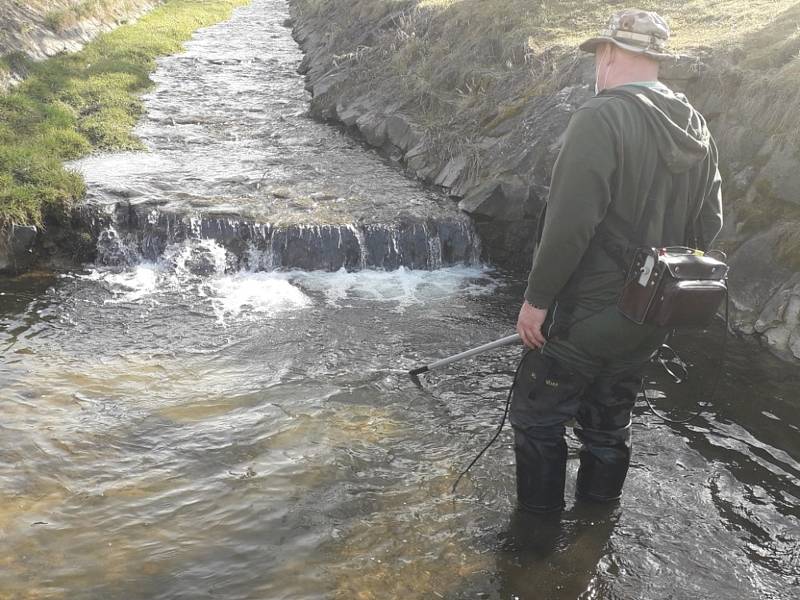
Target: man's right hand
x,y
529,325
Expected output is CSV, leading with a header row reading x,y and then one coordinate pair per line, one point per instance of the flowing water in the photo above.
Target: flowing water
x,y
182,420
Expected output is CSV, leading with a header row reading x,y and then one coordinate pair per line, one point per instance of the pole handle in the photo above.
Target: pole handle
x,y
511,339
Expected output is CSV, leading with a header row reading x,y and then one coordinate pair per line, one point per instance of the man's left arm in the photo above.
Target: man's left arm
x,y
580,193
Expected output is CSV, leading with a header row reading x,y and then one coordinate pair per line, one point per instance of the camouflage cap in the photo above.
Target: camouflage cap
x,y
634,30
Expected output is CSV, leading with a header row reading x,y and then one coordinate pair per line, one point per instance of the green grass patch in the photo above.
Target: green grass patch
x,y
15,61
72,104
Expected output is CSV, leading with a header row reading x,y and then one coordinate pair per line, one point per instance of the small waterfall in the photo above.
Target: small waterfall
x,y
434,250
115,251
143,233
468,231
363,256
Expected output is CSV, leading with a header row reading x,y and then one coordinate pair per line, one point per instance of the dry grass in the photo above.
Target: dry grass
x,y
455,55
568,22
772,62
65,15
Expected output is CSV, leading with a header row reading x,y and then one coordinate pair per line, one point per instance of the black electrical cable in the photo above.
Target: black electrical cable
x,y
715,387
642,391
496,433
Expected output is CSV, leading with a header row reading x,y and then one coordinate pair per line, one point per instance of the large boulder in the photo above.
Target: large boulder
x,y
756,277
782,172
779,321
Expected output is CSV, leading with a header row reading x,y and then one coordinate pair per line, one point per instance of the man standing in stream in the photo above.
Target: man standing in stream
x,y
638,167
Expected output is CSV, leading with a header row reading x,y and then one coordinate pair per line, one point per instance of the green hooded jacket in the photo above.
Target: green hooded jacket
x,y
638,166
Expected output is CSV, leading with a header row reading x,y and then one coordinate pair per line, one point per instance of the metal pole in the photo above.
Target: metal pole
x,y
511,339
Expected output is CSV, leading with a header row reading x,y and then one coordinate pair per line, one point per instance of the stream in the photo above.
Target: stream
x,y
220,406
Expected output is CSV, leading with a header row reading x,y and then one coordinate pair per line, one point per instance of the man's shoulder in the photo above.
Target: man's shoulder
x,y
605,109
597,103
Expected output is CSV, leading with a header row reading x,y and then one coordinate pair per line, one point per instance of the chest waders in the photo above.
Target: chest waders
x,y
550,391
539,446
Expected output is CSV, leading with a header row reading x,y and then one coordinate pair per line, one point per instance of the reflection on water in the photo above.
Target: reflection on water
x,y
147,436
152,449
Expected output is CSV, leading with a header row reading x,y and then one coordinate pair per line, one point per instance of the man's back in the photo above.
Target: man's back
x,y
637,165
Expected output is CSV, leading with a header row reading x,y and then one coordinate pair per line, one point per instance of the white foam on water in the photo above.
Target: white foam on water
x,y
131,285
196,257
403,287
236,296
198,268
254,293
142,281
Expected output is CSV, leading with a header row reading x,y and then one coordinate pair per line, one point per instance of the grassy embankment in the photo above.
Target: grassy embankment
x,y
60,19
465,54
72,104
467,66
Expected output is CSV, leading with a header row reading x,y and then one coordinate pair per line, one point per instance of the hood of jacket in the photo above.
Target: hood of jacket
x,y
682,134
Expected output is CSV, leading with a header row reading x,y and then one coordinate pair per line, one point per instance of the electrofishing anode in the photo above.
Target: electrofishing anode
x,y
415,373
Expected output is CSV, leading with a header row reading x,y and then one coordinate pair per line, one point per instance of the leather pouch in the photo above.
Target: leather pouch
x,y
673,288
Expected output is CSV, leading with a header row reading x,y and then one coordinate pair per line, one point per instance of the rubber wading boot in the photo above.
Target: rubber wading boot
x,y
603,468
541,471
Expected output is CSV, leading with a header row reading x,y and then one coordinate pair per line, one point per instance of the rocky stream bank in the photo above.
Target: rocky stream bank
x,y
490,140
